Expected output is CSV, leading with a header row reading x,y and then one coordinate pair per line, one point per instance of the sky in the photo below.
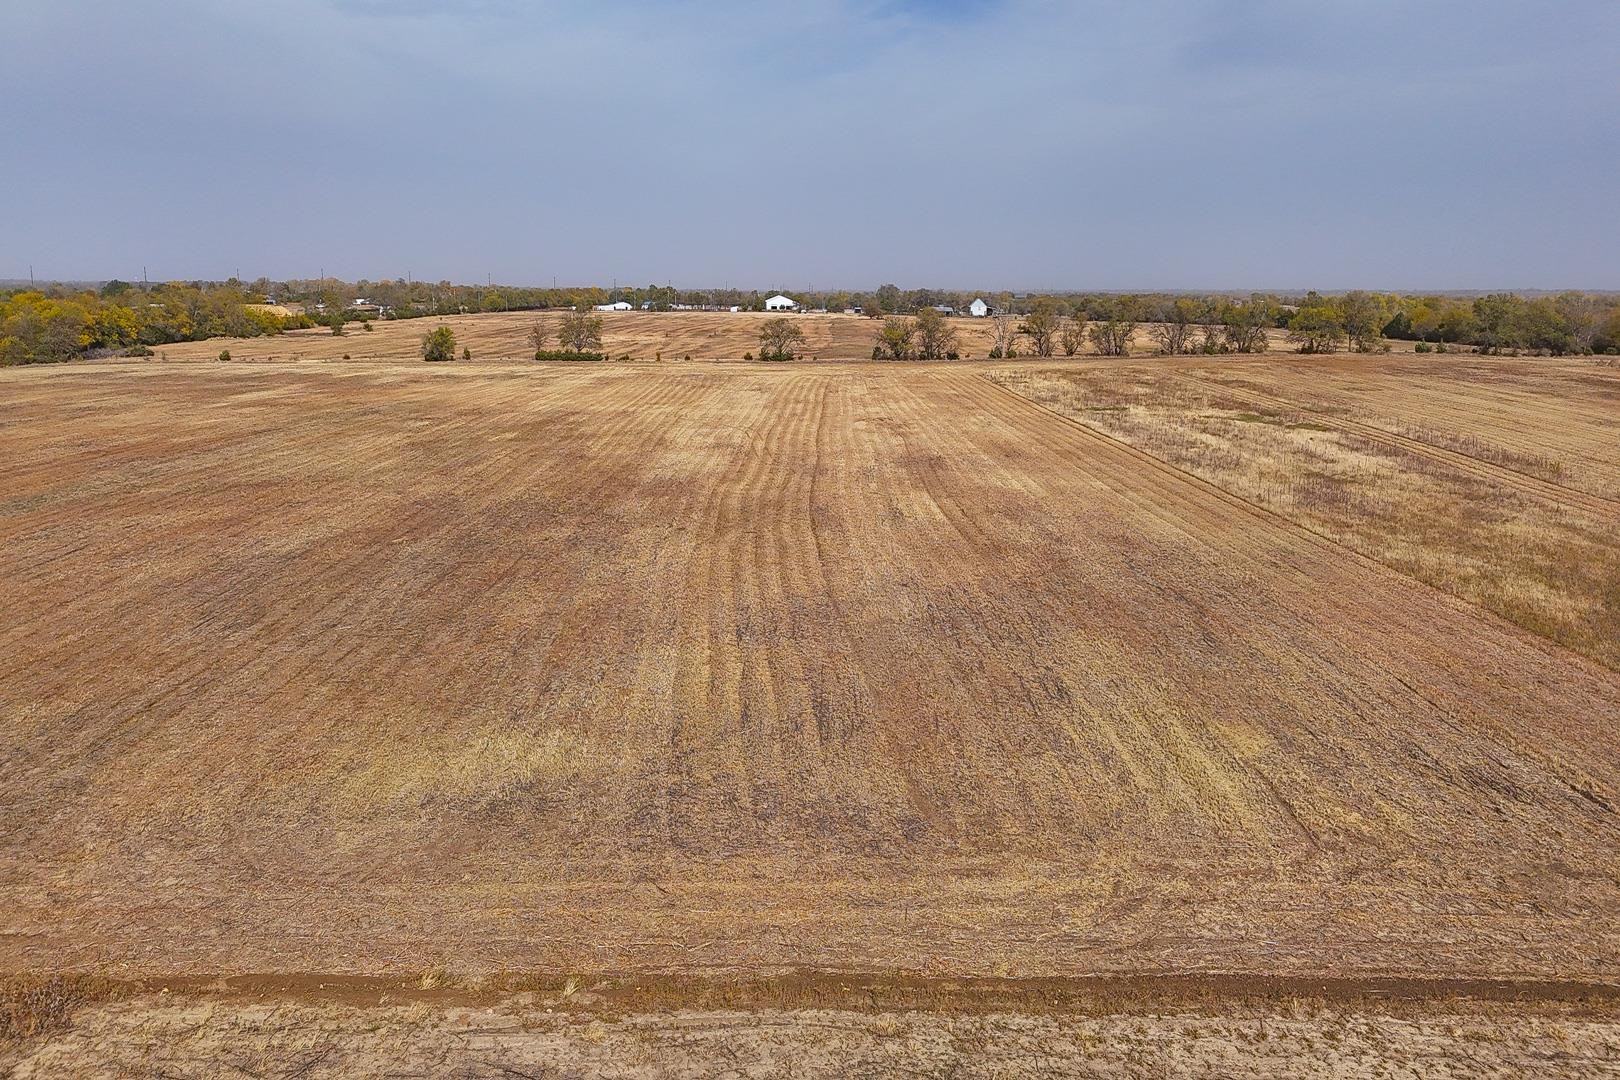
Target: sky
x,y
992,144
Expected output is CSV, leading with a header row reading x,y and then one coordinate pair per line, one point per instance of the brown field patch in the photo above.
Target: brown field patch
x,y
547,1035
1432,482
737,670
643,336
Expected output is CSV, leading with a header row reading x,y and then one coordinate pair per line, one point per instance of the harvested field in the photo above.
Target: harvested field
x,y
1490,479
1556,419
701,335
730,670
641,335
200,1035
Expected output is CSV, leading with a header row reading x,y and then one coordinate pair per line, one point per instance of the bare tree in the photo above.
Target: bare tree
x,y
936,338
1001,344
1112,334
1584,316
1072,338
778,338
1041,325
538,336
1173,333
580,331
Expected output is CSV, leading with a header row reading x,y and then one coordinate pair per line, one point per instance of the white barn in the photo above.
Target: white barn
x,y
781,303
978,309
622,305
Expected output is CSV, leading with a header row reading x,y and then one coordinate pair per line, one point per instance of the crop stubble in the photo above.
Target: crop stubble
x,y
716,669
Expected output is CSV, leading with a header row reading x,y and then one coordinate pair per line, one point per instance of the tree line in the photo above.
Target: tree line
x,y
55,324
62,323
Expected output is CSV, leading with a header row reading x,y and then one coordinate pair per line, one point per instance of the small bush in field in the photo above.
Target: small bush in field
x,y
567,354
439,344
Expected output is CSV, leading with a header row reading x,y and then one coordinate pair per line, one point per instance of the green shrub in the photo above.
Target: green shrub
x,y
748,356
1422,346
567,354
466,352
439,344
366,326
224,354
137,350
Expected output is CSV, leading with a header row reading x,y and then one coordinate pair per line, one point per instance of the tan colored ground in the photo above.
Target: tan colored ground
x,y
1495,480
533,1035
641,335
724,669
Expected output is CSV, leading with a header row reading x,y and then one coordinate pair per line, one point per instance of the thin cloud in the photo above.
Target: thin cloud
x,y
1170,144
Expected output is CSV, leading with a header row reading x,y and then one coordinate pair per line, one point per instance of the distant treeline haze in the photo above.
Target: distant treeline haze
x,y
64,323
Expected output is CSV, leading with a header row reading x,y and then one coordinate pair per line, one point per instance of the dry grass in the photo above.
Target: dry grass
x,y
1557,418
36,1005
628,669
519,1037
1544,559
642,336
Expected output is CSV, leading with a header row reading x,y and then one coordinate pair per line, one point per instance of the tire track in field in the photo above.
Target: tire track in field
x,y
708,717
298,619
1501,474
1571,777
1000,553
1569,770
1219,783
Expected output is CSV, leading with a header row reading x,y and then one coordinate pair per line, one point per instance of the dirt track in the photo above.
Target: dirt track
x,y
733,670
183,1038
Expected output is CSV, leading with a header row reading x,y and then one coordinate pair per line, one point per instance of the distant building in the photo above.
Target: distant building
x,y
978,309
781,303
945,309
618,305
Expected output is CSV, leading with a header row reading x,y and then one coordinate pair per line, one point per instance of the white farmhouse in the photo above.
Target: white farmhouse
x,y
781,303
978,309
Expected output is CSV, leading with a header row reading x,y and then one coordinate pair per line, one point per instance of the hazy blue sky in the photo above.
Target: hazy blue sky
x,y
971,143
